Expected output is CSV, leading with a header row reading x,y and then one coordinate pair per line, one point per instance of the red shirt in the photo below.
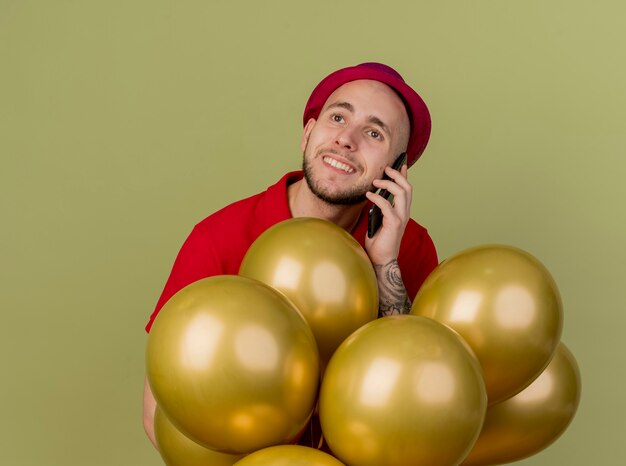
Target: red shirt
x,y
218,244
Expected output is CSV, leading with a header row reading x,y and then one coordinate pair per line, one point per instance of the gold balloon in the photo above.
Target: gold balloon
x,y
233,364
505,304
534,418
323,271
289,455
178,450
402,391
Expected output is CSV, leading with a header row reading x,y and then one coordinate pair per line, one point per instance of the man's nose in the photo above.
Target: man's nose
x,y
346,139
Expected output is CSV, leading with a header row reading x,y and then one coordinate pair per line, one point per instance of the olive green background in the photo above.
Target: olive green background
x,y
124,122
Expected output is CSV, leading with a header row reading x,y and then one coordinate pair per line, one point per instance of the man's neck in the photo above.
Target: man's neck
x,y
303,203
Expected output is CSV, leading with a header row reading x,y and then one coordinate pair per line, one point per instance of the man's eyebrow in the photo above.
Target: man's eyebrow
x,y
377,121
347,105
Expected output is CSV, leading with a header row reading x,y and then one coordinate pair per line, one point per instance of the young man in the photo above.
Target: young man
x,y
356,123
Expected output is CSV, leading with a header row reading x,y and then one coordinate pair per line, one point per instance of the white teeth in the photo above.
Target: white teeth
x,y
341,166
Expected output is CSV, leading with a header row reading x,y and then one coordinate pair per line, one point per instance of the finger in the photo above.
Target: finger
x,y
402,196
388,211
389,185
399,177
399,192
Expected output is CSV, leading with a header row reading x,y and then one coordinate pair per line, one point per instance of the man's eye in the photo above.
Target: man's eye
x,y
337,118
375,134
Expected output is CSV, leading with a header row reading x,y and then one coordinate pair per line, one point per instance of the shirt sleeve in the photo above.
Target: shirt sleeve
x,y
194,261
429,260
417,262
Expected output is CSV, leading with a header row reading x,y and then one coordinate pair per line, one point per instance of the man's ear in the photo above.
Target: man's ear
x,y
306,132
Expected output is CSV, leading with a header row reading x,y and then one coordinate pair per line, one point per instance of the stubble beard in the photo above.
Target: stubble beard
x,y
352,196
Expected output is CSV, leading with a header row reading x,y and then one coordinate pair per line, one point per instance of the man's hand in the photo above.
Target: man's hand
x,y
383,248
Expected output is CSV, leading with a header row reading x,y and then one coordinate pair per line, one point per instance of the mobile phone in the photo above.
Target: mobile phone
x,y
375,218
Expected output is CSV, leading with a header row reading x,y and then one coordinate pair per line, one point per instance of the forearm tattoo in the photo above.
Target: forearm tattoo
x,y
392,297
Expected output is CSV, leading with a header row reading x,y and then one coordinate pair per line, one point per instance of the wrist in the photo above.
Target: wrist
x,y
383,265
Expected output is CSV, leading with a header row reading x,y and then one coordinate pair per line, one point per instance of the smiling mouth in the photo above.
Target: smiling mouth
x,y
338,165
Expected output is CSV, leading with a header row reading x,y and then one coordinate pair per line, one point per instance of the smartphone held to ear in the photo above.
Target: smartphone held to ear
x,y
375,218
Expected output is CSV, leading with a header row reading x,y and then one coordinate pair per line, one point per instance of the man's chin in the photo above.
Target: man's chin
x,y
346,198
345,201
